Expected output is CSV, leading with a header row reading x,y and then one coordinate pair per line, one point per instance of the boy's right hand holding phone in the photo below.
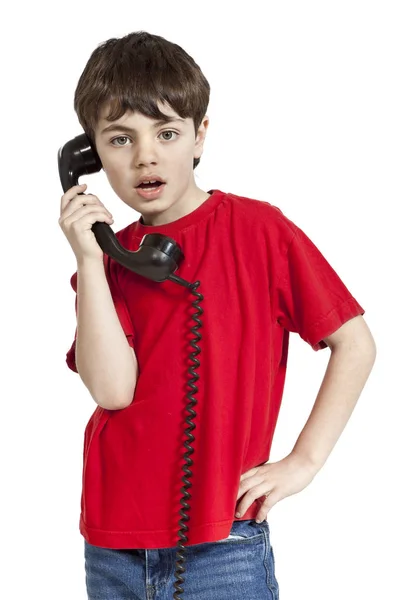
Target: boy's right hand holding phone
x,y
76,220
103,358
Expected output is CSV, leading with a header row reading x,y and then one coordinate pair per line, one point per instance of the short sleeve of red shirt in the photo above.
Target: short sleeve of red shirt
x,y
119,303
311,298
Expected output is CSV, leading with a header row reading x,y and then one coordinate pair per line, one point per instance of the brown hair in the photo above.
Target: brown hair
x,y
134,73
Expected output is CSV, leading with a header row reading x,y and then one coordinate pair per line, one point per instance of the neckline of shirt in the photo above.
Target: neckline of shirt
x,y
188,220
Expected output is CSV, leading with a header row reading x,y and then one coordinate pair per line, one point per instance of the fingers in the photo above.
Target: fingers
x,y
255,494
70,195
72,202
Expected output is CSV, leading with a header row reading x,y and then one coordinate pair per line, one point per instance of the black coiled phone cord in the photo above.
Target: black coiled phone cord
x,y
180,554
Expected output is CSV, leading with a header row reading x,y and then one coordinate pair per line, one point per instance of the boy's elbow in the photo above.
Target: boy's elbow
x,y
115,404
126,396
128,399
114,389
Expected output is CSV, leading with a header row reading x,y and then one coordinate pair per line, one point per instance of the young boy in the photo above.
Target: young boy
x,y
142,100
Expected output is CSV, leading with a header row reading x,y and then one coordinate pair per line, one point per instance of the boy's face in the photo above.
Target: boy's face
x,y
139,149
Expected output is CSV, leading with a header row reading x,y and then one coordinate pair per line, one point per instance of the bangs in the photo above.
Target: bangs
x,y
140,81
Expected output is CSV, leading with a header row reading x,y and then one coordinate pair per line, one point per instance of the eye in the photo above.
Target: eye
x,y
169,131
121,137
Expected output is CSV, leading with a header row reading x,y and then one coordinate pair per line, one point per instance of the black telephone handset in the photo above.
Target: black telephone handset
x,y
157,257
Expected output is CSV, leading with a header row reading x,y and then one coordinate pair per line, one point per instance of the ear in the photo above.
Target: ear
x,y
201,136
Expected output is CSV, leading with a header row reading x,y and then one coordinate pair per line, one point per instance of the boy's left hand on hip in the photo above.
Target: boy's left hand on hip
x,y
275,481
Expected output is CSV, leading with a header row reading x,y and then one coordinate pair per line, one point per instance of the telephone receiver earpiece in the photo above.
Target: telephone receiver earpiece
x,y
157,257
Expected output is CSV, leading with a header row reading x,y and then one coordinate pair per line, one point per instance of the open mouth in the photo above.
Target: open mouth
x,y
150,186
151,191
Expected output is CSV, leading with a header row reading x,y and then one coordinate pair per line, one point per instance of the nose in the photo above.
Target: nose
x,y
145,152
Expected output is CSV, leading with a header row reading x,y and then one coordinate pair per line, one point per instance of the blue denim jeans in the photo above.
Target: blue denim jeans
x,y
237,567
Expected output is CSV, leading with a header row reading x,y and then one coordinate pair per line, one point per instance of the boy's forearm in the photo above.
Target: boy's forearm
x,y
346,374
105,361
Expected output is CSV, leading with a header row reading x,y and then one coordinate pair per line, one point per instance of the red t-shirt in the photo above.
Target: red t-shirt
x,y
261,277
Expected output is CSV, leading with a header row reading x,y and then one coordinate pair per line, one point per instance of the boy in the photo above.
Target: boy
x,y
142,101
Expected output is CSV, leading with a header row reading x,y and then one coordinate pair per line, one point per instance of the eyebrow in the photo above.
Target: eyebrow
x,y
119,127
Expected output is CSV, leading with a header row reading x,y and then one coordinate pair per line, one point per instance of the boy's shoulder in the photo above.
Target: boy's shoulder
x,y
257,212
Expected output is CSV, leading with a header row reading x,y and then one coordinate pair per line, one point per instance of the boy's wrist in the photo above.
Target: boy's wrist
x,y
306,461
84,263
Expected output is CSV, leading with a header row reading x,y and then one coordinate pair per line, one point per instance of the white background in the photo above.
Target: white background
x,y
304,114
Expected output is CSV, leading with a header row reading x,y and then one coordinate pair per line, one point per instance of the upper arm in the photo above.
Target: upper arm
x,y
354,333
